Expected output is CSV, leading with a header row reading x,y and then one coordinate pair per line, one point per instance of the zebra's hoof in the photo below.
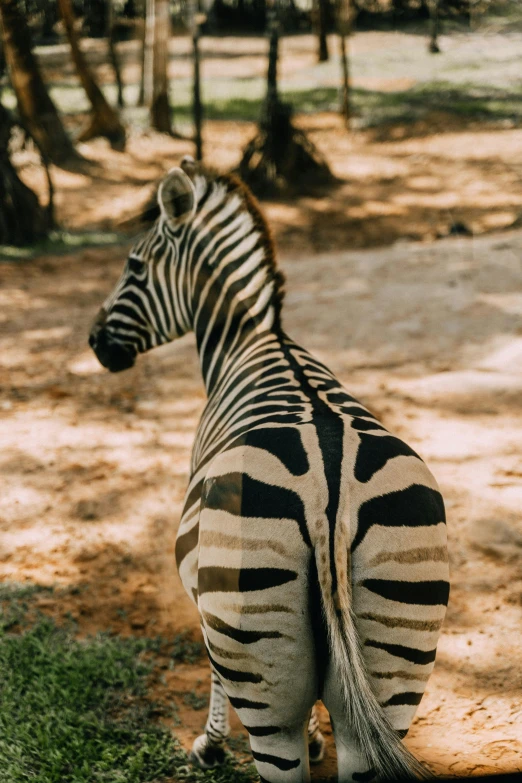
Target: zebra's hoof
x,y
204,755
316,749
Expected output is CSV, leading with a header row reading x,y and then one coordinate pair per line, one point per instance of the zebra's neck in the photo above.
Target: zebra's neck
x,y
236,306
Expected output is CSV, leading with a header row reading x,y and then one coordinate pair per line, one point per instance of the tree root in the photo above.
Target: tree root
x,y
114,132
281,159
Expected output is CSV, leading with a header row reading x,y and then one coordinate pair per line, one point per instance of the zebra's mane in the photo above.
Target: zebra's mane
x,y
235,186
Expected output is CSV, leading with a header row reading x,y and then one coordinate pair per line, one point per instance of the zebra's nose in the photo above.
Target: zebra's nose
x,y
113,355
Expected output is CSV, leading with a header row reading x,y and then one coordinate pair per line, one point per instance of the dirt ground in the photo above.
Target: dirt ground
x,y
419,182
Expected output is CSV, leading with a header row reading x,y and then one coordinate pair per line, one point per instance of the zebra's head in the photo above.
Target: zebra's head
x,y
149,305
207,265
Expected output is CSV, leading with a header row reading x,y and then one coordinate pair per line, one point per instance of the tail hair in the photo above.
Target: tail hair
x,y
379,742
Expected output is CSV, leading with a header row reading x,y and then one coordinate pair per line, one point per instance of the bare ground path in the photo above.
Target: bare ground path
x,y
93,466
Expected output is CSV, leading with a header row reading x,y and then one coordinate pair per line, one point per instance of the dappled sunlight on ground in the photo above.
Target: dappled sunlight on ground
x,y
94,465
416,180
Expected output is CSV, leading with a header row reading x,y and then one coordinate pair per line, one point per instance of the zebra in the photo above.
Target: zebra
x,y
312,541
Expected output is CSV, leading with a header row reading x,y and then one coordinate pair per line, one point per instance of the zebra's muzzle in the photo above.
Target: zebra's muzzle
x,y
111,354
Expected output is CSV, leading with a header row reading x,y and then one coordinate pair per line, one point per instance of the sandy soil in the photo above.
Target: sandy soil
x,y
412,182
94,466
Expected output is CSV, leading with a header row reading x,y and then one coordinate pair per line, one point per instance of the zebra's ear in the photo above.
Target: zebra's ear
x,y
177,197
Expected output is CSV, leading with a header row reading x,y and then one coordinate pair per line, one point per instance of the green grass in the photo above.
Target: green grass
x,y
194,700
241,100
59,243
374,107
77,710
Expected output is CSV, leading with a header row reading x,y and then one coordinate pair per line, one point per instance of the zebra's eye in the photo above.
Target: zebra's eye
x,y
136,266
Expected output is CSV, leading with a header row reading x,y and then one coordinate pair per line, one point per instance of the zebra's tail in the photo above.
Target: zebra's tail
x,y
385,753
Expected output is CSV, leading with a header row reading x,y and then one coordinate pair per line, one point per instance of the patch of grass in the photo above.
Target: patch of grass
x,y
71,711
185,650
58,243
239,744
194,700
14,603
467,100
76,711
375,107
17,591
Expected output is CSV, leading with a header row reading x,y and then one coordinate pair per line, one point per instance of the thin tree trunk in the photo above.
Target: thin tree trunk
x,y
105,120
143,53
113,54
433,46
320,21
344,27
36,108
280,157
157,37
272,105
198,107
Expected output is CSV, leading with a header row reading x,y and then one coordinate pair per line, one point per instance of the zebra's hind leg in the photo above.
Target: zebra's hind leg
x,y
352,764
208,750
282,757
315,739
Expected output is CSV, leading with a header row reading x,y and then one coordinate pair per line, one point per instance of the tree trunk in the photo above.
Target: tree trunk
x,y
113,54
105,120
433,46
157,35
198,107
36,108
23,221
280,157
143,52
344,27
320,23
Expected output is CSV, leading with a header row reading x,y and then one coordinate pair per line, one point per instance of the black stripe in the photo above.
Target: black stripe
x,y
414,506
233,674
245,704
375,451
194,494
244,637
355,411
411,654
262,731
410,697
216,579
186,543
430,593
239,494
340,397
364,777
365,424
285,443
276,761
